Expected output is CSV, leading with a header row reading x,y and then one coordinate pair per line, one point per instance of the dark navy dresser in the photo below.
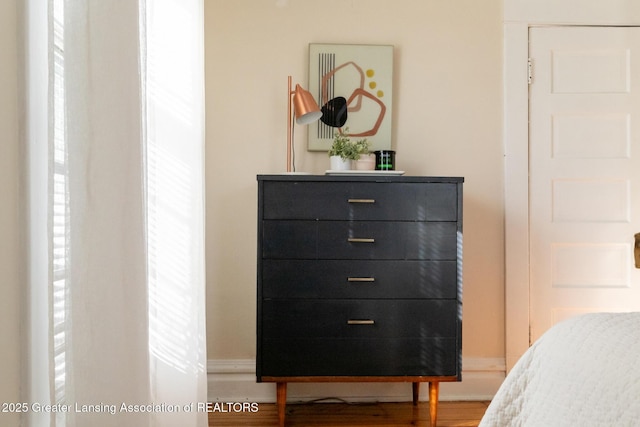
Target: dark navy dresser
x,y
359,279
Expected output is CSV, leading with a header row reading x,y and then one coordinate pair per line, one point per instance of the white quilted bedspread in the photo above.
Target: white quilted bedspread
x,y
584,371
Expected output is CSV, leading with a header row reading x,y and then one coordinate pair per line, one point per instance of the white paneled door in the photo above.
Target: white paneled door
x,y
584,154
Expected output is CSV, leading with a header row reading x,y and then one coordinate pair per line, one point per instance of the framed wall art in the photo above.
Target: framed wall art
x,y
353,85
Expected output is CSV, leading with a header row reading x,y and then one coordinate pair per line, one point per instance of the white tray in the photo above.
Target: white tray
x,y
362,172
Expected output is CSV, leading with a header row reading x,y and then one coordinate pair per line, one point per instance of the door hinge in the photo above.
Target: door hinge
x,y
529,71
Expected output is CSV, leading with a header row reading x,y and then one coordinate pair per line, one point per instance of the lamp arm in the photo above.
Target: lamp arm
x,y
289,93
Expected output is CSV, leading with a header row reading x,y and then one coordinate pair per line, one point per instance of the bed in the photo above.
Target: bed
x,y
584,371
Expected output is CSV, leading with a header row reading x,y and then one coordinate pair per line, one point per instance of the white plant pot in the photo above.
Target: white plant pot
x,y
338,164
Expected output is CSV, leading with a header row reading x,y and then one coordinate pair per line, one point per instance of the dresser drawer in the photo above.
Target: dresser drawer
x,y
366,357
359,240
358,279
359,318
360,201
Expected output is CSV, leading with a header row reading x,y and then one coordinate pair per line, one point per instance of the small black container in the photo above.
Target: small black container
x,y
385,160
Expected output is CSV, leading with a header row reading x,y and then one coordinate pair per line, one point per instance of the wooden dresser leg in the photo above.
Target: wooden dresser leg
x,y
416,393
281,396
434,388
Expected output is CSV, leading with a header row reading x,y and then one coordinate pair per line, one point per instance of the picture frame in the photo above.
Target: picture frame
x,y
353,85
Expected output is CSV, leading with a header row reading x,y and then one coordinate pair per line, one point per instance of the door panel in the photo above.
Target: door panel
x,y
584,106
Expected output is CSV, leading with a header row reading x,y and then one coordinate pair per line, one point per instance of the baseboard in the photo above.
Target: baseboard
x,y
235,381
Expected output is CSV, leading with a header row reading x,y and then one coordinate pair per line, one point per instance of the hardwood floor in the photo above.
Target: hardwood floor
x,y
450,414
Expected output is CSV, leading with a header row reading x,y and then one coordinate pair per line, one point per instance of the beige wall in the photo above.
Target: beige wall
x,y
447,120
10,335
571,12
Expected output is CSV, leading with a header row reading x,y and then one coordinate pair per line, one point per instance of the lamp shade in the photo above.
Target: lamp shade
x,y
305,107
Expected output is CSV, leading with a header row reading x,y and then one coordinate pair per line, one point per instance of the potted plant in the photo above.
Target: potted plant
x,y
366,160
342,151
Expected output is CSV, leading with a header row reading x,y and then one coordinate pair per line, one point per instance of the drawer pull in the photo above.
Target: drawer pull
x,y
361,279
360,322
361,200
360,240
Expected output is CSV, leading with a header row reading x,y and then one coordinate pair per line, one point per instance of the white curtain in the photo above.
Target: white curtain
x,y
114,126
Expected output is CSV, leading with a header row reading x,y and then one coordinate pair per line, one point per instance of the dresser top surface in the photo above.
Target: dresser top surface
x,y
358,178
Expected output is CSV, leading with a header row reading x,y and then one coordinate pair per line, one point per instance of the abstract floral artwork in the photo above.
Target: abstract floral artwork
x,y
353,87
